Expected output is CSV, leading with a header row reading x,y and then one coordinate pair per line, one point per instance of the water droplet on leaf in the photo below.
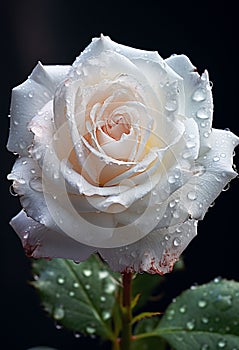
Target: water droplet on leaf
x,y
58,313
221,344
202,303
87,272
60,280
190,325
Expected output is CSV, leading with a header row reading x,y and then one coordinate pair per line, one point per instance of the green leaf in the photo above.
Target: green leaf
x,y
203,318
145,327
81,297
145,284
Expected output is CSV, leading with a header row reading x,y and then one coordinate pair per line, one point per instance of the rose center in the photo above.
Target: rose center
x,y
116,126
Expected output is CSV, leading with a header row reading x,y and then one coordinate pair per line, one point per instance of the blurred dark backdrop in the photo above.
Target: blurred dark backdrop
x,y
55,32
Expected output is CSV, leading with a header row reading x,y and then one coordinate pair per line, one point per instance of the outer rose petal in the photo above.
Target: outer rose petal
x,y
42,242
198,95
27,100
155,253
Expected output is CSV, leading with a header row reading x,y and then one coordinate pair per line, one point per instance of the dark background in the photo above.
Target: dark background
x,y
55,32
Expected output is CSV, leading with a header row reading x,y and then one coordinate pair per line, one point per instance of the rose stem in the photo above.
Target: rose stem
x,y
126,311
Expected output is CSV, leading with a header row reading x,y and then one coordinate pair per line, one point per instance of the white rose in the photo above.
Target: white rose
x,y
117,155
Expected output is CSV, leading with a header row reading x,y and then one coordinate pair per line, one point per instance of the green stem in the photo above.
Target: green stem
x,y
126,311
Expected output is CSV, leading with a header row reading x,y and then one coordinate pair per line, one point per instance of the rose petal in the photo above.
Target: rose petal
x,y
198,95
197,195
42,242
155,253
27,100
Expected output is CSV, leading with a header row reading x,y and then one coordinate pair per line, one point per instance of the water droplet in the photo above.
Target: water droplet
x,y
58,326
202,113
15,122
172,204
87,272
171,314
192,195
103,274
109,288
226,188
186,154
176,242
224,302
76,285
222,343
202,303
106,315
30,94
171,105
166,237
60,280
12,192
90,330
216,159
204,347
171,179
182,309
190,144
102,298
77,335
22,144
199,95
204,320
58,313
71,293
190,325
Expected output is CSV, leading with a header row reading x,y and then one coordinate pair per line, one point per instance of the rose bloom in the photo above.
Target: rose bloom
x,y
117,156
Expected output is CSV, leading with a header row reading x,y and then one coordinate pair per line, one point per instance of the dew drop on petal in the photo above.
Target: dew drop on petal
x,y
192,195
190,144
12,192
171,105
171,179
202,113
176,242
199,95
